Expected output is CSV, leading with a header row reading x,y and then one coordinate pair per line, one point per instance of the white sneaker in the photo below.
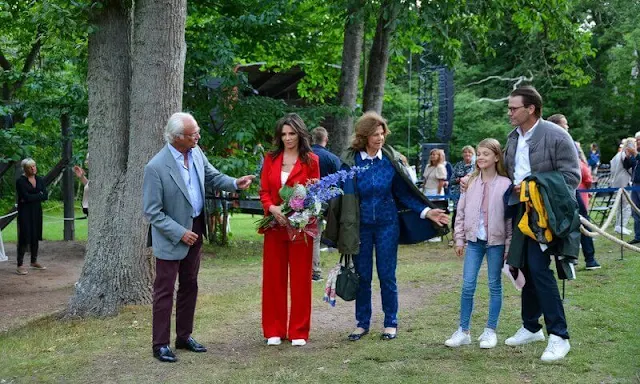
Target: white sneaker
x,y
435,239
274,341
457,339
488,339
623,230
556,349
523,336
298,342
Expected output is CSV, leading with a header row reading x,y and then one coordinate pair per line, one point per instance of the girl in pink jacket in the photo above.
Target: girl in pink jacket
x,y
481,226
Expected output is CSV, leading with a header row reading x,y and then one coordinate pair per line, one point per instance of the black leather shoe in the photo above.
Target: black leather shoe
x,y
389,336
165,354
358,336
634,241
191,345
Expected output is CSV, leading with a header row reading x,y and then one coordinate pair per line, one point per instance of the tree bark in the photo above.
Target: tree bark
x,y
348,87
379,56
106,282
136,68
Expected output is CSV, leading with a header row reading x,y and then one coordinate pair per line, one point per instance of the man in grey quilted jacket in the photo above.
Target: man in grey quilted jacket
x,y
536,146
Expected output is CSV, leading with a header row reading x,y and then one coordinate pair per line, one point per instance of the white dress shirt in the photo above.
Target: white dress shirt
x,y
190,178
522,166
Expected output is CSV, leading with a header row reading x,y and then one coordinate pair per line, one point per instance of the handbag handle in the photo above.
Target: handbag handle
x,y
348,260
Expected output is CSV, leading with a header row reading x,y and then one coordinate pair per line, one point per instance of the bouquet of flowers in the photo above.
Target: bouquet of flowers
x,y
303,204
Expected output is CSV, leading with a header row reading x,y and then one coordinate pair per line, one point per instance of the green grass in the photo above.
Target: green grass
x,y
52,224
601,307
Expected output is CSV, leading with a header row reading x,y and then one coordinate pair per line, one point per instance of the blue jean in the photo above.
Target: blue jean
x,y
472,262
384,237
635,197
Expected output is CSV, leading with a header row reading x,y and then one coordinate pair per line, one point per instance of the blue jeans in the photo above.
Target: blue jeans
x,y
635,197
472,262
384,238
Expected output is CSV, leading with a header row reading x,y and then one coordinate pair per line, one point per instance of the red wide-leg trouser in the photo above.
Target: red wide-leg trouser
x,y
285,260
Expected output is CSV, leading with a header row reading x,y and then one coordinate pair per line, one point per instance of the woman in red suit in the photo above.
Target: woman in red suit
x,y
290,162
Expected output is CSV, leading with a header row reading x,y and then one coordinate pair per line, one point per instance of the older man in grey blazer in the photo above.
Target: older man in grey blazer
x,y
173,200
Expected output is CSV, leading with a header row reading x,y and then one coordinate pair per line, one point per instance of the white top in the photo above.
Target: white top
x,y
284,176
522,167
365,156
482,233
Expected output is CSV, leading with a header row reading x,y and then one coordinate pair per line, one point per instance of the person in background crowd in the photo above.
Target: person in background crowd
x,y
434,180
630,163
621,178
286,260
81,174
481,227
370,220
594,158
588,248
449,168
32,192
329,163
462,168
536,146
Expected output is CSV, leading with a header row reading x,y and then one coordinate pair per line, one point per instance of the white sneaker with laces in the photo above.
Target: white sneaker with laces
x,y
556,350
274,341
457,339
488,339
524,336
298,342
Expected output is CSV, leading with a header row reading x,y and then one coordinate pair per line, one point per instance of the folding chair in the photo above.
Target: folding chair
x,y
601,204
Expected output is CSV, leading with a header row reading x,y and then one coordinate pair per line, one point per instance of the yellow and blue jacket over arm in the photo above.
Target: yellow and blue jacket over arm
x,y
550,216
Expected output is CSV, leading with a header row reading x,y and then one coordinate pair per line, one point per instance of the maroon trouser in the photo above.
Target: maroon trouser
x,y
163,287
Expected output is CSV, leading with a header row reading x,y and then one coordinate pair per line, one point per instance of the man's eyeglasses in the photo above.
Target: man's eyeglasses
x,y
195,134
513,109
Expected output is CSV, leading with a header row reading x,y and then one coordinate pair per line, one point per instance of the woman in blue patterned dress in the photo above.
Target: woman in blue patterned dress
x,y
368,219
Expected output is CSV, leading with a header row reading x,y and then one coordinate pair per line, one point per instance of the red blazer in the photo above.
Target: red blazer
x,y
270,182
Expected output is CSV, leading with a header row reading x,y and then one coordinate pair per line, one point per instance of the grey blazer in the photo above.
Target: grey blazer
x,y
166,204
550,149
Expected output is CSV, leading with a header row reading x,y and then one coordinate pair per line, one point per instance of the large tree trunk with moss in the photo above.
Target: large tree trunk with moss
x,y
348,91
379,56
135,78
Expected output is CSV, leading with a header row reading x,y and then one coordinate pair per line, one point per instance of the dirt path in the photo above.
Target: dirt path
x,y
39,293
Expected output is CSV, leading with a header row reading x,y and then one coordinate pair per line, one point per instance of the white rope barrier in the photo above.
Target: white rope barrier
x,y
9,215
589,229
599,231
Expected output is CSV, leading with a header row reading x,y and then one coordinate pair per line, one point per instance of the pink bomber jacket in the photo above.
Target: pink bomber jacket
x,y
468,213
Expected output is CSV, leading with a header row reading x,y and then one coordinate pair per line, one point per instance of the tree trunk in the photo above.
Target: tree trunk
x,y
135,83
107,281
348,88
379,56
